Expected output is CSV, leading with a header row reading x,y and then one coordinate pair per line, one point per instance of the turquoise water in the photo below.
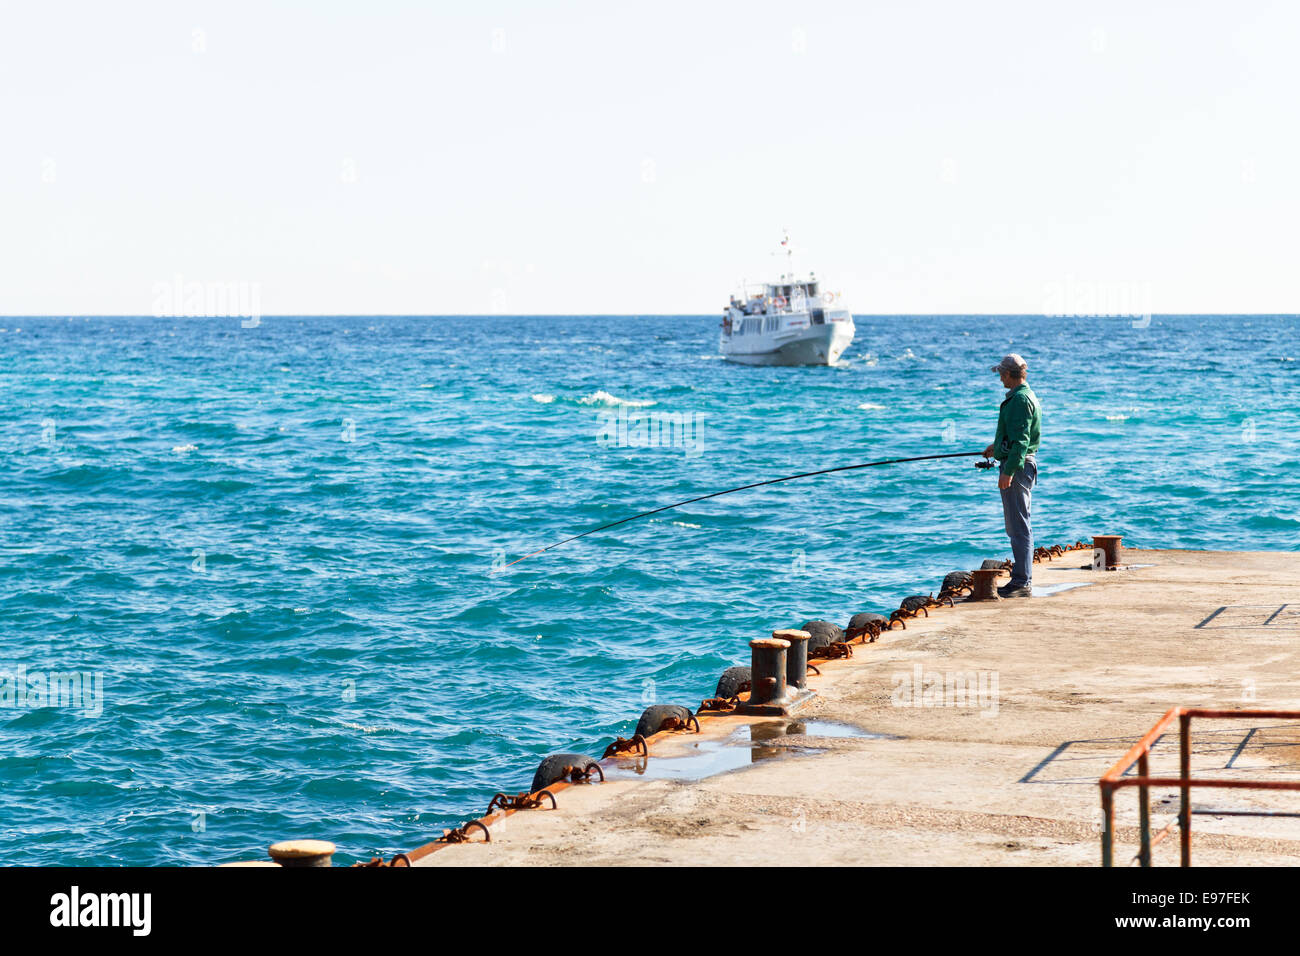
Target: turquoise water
x,y
274,545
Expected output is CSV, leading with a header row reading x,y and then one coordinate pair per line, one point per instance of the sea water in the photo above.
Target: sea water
x,y
283,552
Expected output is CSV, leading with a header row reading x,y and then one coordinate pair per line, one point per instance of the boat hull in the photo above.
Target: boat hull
x,y
815,345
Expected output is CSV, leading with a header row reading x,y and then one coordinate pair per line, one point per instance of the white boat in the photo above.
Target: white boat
x,y
793,321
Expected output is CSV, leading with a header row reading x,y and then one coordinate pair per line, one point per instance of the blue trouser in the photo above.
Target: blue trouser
x,y
1015,511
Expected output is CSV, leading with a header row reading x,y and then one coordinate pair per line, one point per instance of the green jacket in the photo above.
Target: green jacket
x,y
1020,422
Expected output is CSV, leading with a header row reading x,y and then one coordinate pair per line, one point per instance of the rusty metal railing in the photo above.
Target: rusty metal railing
x,y
1114,779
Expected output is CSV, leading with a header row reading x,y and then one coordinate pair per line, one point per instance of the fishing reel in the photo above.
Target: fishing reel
x,y
986,463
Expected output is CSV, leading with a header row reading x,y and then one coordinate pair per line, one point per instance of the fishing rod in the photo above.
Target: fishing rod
x,y
756,484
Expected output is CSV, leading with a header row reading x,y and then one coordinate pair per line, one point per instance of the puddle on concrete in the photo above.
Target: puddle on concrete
x,y
828,728
742,748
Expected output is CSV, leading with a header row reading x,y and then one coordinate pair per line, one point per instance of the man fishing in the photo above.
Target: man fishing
x,y
1015,445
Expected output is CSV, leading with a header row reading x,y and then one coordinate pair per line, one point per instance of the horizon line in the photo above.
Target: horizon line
x,y
620,315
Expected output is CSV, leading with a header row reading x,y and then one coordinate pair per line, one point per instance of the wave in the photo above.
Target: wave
x,y
202,429
369,728
680,524
613,401
83,475
601,398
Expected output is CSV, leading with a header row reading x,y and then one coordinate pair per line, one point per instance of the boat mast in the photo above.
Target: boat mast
x,y
788,278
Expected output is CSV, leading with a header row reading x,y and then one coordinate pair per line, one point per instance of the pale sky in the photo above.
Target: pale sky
x,y
599,157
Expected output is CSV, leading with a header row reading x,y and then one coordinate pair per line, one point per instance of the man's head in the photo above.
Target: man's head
x,y
1012,368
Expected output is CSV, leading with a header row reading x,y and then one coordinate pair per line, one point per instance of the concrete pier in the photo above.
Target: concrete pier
x,y
1000,717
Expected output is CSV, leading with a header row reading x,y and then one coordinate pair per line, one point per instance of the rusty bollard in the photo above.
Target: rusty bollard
x,y
769,667
1108,544
984,581
796,658
771,694
303,852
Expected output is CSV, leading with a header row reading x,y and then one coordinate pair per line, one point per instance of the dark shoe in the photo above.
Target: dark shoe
x,y
1010,592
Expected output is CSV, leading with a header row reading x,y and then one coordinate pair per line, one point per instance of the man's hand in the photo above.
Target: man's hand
x,y
988,452
1004,481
